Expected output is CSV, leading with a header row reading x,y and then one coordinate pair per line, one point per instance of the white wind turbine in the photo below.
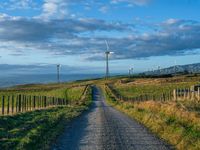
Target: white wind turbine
x,y
107,53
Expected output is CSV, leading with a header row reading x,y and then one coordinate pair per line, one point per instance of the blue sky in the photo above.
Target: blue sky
x,y
143,34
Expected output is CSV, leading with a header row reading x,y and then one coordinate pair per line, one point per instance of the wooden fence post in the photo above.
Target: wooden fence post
x,y
164,99
192,98
39,100
13,98
20,102
8,105
34,102
25,103
17,104
53,101
30,102
3,101
175,94
45,101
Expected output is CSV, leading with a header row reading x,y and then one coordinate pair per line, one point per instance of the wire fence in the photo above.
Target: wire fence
x,y
145,97
13,104
157,118
176,94
23,103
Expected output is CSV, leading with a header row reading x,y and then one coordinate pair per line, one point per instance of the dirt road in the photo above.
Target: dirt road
x,y
103,127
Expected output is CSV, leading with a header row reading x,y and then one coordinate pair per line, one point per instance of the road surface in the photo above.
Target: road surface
x,y
105,128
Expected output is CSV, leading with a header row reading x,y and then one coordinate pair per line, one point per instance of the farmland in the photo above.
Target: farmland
x,y
35,129
176,121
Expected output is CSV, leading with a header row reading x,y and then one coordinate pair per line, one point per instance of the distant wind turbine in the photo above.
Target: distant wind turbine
x,y
58,72
108,52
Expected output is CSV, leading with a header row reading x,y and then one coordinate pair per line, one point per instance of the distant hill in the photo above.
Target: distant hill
x,y
179,69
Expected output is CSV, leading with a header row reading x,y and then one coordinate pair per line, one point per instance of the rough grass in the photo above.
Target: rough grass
x,y
37,129
171,122
75,93
34,130
150,89
71,93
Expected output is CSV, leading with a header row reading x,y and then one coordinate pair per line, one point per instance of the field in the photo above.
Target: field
x,y
137,87
176,121
36,129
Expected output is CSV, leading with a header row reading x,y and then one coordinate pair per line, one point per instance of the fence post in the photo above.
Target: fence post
x,y
45,101
34,102
17,103
24,103
8,105
30,102
39,102
13,98
63,101
174,94
198,94
53,101
20,102
23,99
3,101
192,98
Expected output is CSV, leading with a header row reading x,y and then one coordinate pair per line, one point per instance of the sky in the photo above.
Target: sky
x,y
35,35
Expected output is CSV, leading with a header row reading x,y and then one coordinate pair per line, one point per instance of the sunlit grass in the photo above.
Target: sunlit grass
x,y
177,122
36,130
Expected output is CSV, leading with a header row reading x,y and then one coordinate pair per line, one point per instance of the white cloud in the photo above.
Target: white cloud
x,y
19,4
135,2
55,9
104,9
171,21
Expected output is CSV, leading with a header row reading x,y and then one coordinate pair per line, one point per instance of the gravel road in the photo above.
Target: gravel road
x,y
104,128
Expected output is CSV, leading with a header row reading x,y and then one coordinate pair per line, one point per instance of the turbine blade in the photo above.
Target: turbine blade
x,y
107,46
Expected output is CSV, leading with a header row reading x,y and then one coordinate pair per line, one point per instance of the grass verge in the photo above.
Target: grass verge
x,y
171,123
37,129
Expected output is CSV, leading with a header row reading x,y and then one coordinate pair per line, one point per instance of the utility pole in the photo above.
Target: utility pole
x,y
58,73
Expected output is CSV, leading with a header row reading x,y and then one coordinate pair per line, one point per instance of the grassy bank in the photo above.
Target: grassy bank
x,y
38,129
168,120
157,86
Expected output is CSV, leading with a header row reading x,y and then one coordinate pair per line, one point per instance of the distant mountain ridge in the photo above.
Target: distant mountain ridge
x,y
178,69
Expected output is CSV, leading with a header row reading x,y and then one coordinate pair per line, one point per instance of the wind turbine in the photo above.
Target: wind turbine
x,y
130,72
107,53
58,72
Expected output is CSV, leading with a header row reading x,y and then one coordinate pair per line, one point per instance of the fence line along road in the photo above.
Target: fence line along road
x,y
176,94
23,103
13,104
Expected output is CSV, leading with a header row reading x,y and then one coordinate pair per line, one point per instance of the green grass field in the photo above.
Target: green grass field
x,y
37,129
70,92
177,122
152,87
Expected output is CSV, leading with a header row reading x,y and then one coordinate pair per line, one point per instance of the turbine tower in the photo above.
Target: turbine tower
x,y
107,53
58,73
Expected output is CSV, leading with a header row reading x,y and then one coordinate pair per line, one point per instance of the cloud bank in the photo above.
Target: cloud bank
x,y
57,32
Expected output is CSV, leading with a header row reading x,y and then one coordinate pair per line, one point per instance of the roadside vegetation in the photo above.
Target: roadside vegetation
x,y
136,87
38,129
177,122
